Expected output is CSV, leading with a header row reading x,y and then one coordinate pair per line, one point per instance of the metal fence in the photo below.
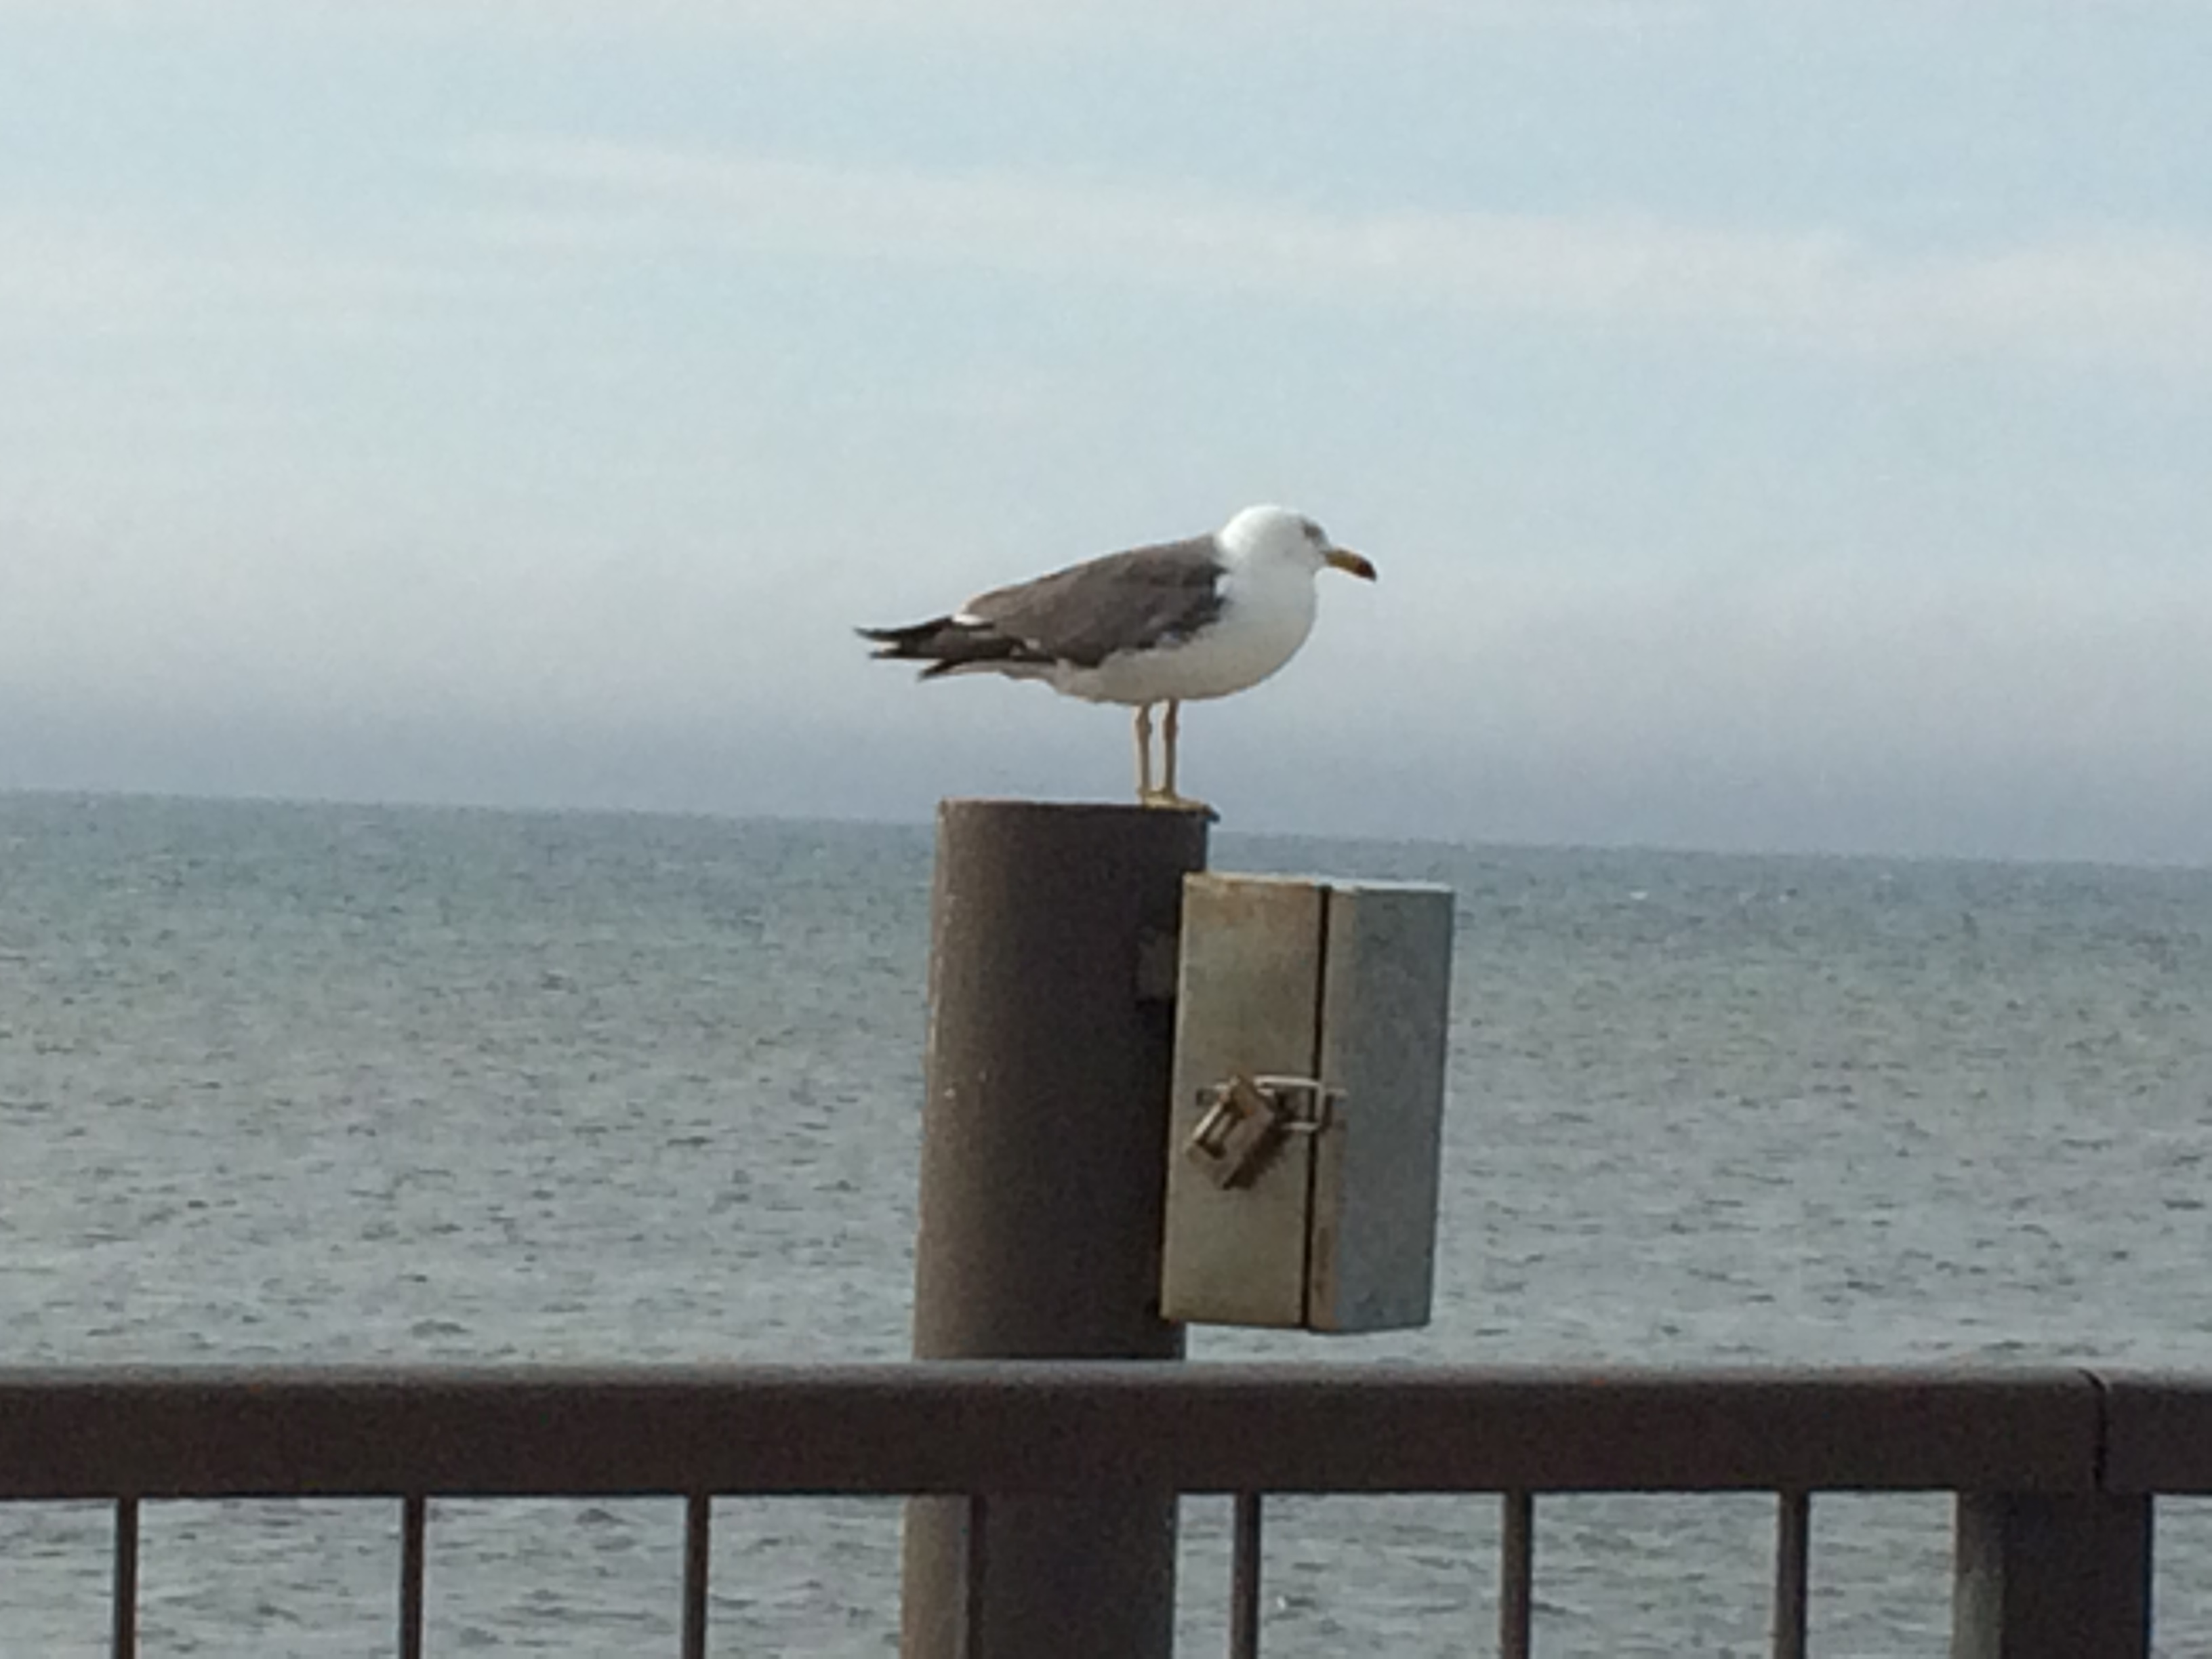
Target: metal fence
x,y
2055,1470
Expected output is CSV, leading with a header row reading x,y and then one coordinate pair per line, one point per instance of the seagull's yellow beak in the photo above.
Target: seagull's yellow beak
x,y
1344,559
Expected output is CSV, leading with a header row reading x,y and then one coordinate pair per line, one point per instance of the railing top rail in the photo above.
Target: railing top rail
x,y
1007,1426
2158,1432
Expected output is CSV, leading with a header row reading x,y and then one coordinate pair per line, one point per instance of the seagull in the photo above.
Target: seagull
x,y
1169,624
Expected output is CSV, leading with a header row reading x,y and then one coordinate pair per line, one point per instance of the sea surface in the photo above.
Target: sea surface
x,y
310,1083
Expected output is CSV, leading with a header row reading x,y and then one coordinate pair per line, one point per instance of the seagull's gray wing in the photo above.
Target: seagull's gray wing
x,y
1147,597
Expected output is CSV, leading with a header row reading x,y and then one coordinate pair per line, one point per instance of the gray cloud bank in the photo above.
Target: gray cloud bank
x,y
2012,715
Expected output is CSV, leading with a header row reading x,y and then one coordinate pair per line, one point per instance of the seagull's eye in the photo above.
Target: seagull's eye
x,y
1314,533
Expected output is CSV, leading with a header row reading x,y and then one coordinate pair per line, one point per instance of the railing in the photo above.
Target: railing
x,y
2055,1469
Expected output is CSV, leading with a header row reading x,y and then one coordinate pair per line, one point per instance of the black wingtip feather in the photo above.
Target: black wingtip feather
x,y
946,644
914,640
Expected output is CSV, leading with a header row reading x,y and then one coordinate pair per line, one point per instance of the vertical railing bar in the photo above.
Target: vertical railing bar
x,y
977,1565
1793,1541
1244,1579
125,1642
698,1539
414,1526
1517,1576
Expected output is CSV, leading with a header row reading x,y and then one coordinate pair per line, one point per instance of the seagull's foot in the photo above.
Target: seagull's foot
x,y
1167,800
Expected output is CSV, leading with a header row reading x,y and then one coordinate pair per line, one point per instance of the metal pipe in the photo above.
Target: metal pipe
x,y
976,1575
1069,1427
1792,1544
1244,1580
1043,1154
124,1644
414,1525
2051,1575
698,1552
1517,1575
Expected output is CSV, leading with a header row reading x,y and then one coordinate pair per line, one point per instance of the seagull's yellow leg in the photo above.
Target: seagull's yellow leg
x,y
1144,752
1165,795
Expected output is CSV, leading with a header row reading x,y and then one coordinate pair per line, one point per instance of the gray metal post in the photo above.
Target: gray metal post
x,y
2056,1576
1044,1135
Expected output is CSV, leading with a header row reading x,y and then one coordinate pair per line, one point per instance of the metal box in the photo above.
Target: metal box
x,y
1310,1031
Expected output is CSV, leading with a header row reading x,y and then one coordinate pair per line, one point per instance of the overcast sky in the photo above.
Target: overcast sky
x,y
1778,424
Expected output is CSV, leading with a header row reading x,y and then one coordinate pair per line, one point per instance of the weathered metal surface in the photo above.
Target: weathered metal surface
x,y
1248,1003
1018,1426
123,1600
1046,1078
1244,1577
1385,1019
1793,1543
1517,1575
2159,1434
1330,1227
2050,1562
414,1550
2051,1575
1045,1106
698,1560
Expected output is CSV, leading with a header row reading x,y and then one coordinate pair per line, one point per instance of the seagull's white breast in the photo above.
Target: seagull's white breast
x,y
1267,611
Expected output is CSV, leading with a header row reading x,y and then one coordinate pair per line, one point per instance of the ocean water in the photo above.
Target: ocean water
x,y
345,1084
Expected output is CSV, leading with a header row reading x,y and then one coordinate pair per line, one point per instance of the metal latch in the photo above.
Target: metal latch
x,y
1246,1118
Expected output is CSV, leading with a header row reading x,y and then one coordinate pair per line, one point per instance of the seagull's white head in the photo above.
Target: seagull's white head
x,y
1277,535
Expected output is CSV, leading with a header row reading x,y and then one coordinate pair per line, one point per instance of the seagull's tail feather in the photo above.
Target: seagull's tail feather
x,y
951,644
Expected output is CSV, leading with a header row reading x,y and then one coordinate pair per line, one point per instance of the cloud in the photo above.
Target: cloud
x,y
2097,295
2041,661
872,23
117,275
